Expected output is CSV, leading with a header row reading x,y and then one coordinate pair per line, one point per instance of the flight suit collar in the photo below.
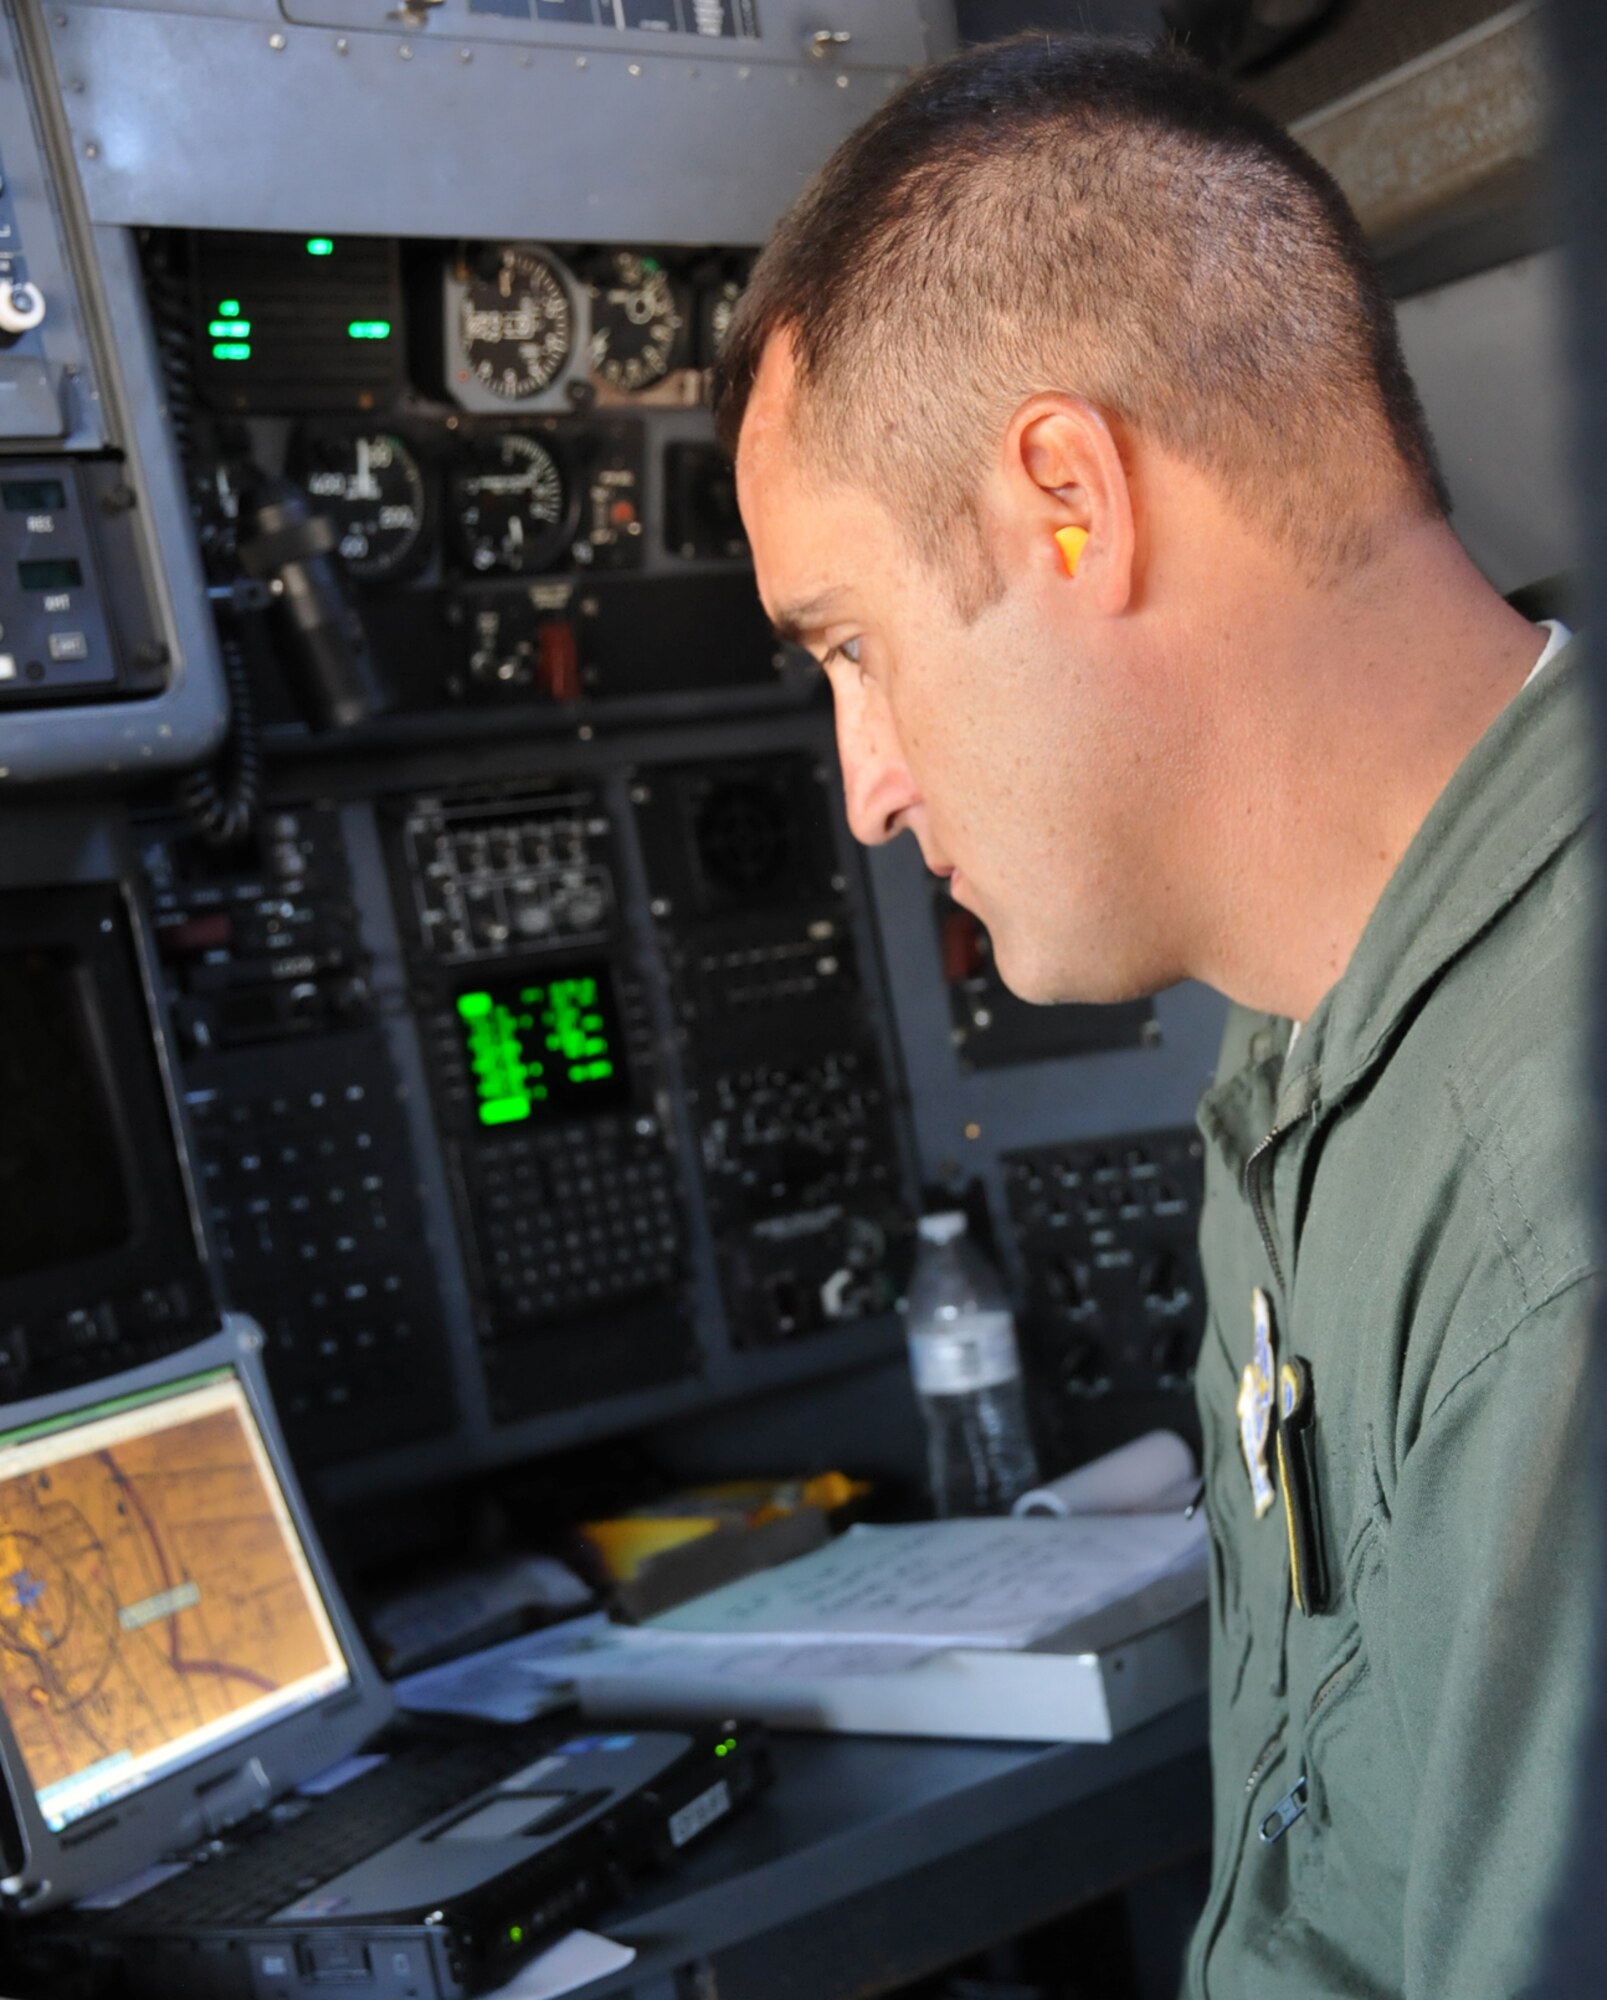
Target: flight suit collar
x,y
1521,793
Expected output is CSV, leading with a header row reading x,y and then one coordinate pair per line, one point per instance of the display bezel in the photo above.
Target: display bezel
x,y
91,924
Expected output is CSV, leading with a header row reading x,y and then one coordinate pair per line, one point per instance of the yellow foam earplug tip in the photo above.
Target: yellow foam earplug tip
x,y
1072,543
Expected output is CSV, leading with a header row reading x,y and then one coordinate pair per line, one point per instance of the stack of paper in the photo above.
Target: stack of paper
x,y
1025,1630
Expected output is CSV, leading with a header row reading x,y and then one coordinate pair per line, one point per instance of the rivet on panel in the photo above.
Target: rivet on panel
x,y
582,63
341,45
92,151
465,55
276,42
636,69
842,83
973,1130
743,75
406,52
585,732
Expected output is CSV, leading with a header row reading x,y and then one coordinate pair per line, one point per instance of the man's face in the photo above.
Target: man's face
x,y
1010,759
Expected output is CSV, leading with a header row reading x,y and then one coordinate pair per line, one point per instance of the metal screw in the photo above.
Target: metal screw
x,y
842,83
341,45
973,1130
660,906
585,732
276,42
465,55
582,63
92,151
640,795
636,69
405,52
743,75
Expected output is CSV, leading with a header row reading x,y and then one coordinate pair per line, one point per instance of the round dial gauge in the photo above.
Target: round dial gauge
x,y
721,304
515,326
636,321
371,487
511,505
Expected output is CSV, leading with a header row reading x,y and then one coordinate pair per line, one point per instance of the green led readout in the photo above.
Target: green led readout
x,y
369,329
231,334
539,1048
320,246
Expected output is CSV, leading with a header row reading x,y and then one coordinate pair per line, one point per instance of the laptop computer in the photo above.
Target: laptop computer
x,y
193,1736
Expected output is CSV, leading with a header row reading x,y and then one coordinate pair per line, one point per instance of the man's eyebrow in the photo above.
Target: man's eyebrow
x,y
793,622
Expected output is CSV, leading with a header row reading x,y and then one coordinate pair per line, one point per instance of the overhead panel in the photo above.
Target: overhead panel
x,y
348,115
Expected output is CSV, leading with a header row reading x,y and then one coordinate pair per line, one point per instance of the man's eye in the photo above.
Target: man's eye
x,y
848,650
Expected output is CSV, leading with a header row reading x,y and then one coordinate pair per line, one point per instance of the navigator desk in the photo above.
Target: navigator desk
x,y
876,1860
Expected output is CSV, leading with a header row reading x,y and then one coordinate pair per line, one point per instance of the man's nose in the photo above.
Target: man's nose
x,y
877,786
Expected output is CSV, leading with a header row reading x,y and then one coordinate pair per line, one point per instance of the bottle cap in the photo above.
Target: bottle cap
x,y
942,1227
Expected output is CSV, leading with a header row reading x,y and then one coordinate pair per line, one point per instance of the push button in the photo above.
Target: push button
x,y
68,646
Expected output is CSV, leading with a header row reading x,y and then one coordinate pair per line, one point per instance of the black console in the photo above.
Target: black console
x,y
547,1092
302,1146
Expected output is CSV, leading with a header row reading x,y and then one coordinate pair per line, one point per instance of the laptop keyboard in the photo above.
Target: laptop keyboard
x,y
284,1853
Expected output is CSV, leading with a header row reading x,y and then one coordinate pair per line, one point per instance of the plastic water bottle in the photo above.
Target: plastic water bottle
x,y
967,1369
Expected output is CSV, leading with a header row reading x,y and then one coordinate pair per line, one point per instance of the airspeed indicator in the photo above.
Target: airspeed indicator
x,y
372,488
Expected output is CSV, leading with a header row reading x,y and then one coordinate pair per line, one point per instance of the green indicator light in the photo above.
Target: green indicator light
x,y
722,1749
369,329
474,1006
229,308
320,246
505,1110
229,329
231,350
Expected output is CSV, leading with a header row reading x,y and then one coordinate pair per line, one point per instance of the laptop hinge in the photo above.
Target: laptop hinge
x,y
229,1798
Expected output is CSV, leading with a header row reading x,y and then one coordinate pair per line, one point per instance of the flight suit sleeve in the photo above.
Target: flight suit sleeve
x,y
1494,1574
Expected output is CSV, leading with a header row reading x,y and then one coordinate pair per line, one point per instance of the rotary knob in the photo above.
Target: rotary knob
x,y
22,307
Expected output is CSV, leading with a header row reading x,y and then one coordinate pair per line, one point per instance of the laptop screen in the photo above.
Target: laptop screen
x,y
155,1598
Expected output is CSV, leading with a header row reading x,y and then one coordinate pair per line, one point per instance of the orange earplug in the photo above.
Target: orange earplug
x,y
1072,543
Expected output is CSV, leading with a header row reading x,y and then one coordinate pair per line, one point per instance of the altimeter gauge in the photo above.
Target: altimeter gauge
x,y
516,324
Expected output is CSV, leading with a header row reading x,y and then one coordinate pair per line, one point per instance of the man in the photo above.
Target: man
x,y
1074,439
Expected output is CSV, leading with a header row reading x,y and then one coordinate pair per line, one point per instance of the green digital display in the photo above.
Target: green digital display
x,y
544,1050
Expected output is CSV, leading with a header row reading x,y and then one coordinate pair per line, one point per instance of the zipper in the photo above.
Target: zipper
x,y
1331,1683
1284,1814
1253,1194
1209,1928
1258,1770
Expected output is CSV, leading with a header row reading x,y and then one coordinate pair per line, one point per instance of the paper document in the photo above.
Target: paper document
x,y
512,1682
573,1961
1155,1474
988,1583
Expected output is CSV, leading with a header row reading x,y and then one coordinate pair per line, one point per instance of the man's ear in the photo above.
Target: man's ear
x,y
1062,468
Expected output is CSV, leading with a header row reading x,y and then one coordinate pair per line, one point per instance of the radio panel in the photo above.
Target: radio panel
x,y
541,1059
303,1146
787,1082
1106,1232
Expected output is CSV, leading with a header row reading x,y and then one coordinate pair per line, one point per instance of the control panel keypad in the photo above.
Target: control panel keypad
x,y
575,1219
307,1203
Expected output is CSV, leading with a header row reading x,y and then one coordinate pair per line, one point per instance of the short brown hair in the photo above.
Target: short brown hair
x,y
1079,214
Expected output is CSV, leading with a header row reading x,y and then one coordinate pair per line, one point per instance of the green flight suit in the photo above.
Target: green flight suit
x,y
1420,1166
